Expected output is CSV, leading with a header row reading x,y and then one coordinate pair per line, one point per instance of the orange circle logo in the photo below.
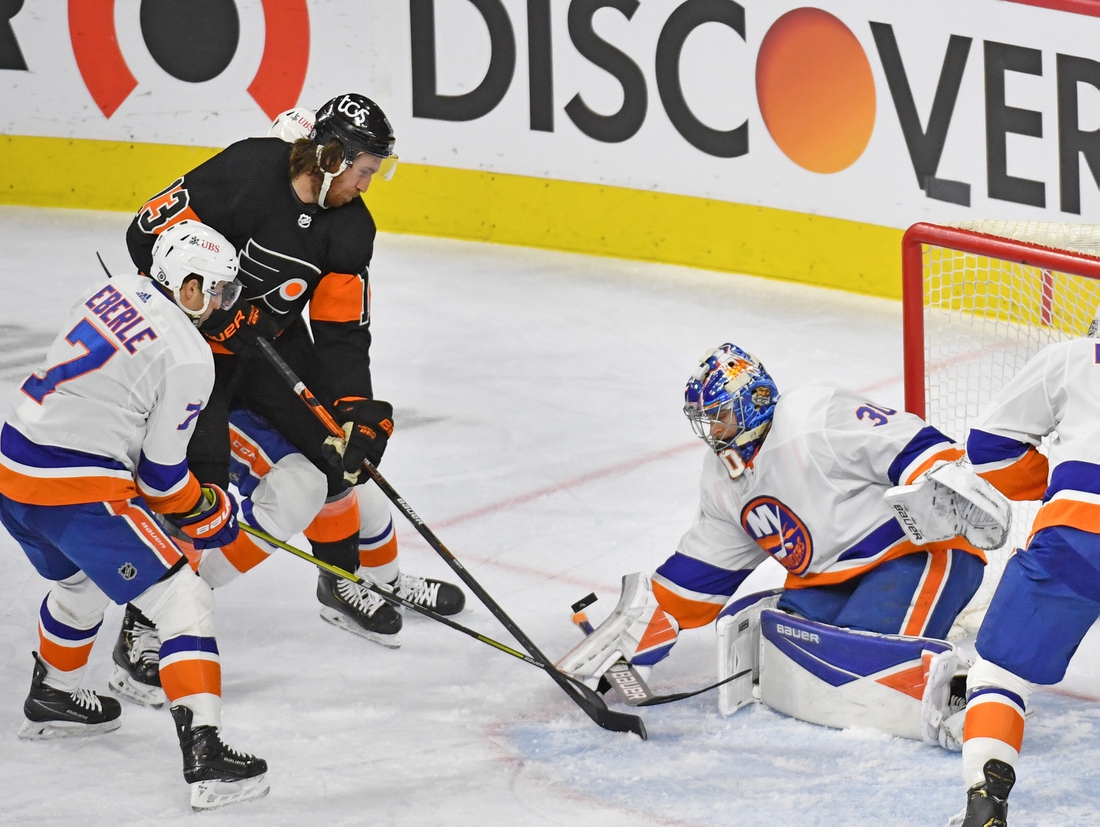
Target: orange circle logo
x,y
815,90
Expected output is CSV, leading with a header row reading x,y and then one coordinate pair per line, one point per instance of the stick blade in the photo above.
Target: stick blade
x,y
597,710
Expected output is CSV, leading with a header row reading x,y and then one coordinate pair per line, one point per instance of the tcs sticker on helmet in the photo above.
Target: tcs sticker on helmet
x,y
779,531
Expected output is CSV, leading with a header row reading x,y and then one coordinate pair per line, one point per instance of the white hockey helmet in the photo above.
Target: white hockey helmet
x,y
292,125
190,248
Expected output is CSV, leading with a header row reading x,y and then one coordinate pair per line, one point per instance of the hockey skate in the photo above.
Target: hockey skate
x,y
218,775
356,609
55,713
435,595
987,803
136,675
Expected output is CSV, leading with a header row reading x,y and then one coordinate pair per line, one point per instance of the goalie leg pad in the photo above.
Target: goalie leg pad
x,y
638,630
843,678
738,629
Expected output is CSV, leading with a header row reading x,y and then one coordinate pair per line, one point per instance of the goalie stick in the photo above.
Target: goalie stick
x,y
588,700
627,682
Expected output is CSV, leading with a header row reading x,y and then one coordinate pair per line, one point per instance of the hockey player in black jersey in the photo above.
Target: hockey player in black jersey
x,y
305,237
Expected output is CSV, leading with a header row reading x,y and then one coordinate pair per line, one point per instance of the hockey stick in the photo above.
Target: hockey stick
x,y
389,596
592,704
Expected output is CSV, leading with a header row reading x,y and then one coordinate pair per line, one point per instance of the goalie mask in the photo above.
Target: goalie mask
x,y
359,125
730,401
190,248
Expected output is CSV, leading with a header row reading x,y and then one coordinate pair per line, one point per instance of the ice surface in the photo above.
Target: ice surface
x,y
539,433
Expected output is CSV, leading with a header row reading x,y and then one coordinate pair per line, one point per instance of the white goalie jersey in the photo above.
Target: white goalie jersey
x,y
110,413
812,500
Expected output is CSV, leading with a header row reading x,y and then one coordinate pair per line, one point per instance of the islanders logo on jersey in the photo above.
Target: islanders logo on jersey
x,y
780,532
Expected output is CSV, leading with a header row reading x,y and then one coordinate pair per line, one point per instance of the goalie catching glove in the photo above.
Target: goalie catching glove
x,y
212,523
638,630
951,501
368,425
238,327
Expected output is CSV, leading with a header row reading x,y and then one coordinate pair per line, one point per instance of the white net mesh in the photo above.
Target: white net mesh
x,y
983,319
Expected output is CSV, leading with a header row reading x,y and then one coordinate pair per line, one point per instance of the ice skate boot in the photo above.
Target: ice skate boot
x,y
218,775
136,675
55,713
438,596
356,609
987,803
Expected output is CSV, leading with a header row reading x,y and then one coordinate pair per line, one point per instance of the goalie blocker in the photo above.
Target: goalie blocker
x,y
837,677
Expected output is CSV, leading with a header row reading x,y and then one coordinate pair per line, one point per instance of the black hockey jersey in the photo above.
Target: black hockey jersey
x,y
291,253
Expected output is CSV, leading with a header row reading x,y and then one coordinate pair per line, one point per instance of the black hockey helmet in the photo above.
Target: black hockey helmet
x,y
358,123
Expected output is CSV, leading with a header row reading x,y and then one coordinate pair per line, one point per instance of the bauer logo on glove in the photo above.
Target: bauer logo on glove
x,y
952,501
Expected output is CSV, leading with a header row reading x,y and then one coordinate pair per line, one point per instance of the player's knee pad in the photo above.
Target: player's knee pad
x,y
182,604
638,630
287,498
842,678
738,630
77,601
374,510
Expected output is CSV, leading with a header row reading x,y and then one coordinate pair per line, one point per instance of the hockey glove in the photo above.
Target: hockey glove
x,y
237,328
368,425
212,523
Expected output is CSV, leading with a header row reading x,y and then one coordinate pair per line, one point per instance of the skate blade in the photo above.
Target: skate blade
x,y
337,619
210,795
48,730
126,687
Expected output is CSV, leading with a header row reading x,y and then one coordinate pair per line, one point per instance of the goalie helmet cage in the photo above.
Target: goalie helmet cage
x,y
979,300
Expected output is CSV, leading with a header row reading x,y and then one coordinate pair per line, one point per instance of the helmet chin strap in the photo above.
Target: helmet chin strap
x,y
323,193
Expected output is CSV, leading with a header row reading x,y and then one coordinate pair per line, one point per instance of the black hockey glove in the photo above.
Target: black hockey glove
x,y
237,328
367,424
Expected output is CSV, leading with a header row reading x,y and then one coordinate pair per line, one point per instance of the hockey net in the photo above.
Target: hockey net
x,y
980,299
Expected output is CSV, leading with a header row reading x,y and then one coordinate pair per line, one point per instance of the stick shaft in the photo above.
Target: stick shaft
x,y
589,701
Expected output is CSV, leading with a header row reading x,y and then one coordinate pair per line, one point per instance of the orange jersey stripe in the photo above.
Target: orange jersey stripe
x,y
1025,479
196,676
338,298
926,597
243,554
690,614
180,502
64,490
374,557
65,658
336,521
950,454
1072,513
994,720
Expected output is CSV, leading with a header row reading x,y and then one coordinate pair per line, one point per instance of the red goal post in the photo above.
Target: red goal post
x,y
979,299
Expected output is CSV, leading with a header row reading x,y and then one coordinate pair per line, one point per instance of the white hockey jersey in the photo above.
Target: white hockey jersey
x,y
110,413
812,499
1056,394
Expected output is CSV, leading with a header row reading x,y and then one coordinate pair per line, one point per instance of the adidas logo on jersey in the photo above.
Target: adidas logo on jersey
x,y
304,220
144,297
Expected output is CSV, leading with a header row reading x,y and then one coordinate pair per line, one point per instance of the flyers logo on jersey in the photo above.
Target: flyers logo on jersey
x,y
780,532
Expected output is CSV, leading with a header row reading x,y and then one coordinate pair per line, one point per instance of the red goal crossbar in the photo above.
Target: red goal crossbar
x,y
965,241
